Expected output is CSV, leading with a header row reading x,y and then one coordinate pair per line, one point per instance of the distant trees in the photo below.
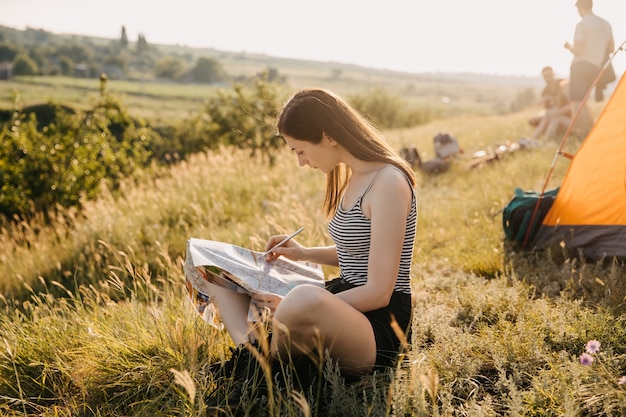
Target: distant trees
x,y
124,38
76,52
170,67
120,60
208,70
142,44
45,53
8,52
24,65
67,65
42,55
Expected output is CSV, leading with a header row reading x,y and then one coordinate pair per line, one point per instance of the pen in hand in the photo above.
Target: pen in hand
x,y
282,242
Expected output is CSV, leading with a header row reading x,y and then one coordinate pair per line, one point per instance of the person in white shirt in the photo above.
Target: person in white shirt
x,y
593,42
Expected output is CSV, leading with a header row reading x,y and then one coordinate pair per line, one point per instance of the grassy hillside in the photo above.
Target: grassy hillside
x,y
97,322
95,319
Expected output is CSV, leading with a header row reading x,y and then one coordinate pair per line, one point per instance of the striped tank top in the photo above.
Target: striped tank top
x,y
352,232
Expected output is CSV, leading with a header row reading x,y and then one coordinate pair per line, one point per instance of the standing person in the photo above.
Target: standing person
x,y
593,42
372,205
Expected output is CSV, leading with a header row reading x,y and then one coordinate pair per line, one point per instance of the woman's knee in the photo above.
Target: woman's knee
x,y
300,302
295,323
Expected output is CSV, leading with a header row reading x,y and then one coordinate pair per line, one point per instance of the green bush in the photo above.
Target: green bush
x,y
387,111
51,156
24,65
67,160
244,118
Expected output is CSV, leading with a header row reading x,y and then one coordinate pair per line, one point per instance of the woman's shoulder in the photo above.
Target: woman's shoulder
x,y
393,171
391,185
390,176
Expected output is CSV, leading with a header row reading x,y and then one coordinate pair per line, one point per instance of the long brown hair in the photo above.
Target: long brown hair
x,y
311,112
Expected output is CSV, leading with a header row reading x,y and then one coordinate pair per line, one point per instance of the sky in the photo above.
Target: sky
x,y
504,37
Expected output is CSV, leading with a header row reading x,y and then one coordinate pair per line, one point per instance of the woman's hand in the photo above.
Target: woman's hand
x,y
266,301
290,249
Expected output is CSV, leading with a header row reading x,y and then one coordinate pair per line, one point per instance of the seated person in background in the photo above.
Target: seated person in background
x,y
556,115
552,95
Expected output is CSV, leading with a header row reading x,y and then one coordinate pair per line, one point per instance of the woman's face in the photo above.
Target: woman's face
x,y
320,156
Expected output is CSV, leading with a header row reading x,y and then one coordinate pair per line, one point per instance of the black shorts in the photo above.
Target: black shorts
x,y
387,343
582,76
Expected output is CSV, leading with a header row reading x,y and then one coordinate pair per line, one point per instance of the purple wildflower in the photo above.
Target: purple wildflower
x,y
586,359
622,380
592,346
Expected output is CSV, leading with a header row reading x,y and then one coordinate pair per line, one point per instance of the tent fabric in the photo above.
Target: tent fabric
x,y
588,216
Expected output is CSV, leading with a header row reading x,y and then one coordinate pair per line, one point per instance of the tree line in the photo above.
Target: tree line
x,y
39,52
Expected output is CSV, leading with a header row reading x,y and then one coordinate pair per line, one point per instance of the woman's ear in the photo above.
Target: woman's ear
x,y
327,139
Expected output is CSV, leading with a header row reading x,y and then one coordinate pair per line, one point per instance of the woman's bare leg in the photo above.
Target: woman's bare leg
x,y
310,315
233,311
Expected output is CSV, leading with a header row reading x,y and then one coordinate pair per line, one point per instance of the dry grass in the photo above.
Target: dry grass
x,y
95,319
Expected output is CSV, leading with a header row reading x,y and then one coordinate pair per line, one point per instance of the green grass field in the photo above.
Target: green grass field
x,y
161,102
96,321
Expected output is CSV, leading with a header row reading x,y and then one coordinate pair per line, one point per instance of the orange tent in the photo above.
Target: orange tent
x,y
588,216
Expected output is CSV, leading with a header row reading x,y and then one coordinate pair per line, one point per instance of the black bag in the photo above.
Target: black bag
x,y
338,285
518,213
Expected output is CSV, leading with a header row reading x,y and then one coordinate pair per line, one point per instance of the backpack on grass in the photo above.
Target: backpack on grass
x,y
518,213
446,146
